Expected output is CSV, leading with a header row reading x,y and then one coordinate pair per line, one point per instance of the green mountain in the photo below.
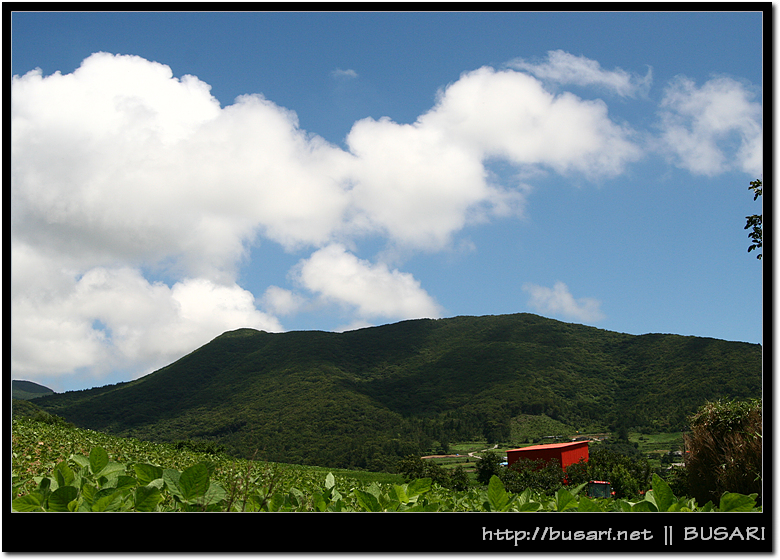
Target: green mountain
x,y
364,398
27,390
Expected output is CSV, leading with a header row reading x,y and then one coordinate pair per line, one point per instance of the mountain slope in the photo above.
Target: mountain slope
x,y
27,390
362,398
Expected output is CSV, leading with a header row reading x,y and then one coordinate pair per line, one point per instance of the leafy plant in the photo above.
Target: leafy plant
x,y
116,474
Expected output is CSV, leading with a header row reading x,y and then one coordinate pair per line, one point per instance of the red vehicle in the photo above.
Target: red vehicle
x,y
599,489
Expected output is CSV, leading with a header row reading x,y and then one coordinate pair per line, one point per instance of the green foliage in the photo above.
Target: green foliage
x,y
628,474
725,449
541,476
26,390
129,475
413,467
488,466
528,428
364,399
755,221
24,408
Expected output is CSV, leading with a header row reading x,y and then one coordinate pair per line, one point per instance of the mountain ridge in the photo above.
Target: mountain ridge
x,y
26,390
363,397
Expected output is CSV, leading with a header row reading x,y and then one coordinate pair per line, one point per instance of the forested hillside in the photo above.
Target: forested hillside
x,y
367,397
27,390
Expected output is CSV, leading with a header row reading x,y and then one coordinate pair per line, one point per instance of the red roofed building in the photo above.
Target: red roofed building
x,y
566,453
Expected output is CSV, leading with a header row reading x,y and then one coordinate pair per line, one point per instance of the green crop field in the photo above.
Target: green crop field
x,y
57,467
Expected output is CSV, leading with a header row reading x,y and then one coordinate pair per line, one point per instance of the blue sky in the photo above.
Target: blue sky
x,y
178,175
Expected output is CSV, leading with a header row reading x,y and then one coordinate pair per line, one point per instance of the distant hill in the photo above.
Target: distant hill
x,y
27,390
363,398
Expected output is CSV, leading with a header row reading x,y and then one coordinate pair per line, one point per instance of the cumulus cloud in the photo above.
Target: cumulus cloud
x,y
109,318
280,301
558,301
565,68
443,184
510,115
373,290
120,168
712,128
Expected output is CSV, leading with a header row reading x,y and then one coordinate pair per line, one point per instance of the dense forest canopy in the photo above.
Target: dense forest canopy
x,y
364,398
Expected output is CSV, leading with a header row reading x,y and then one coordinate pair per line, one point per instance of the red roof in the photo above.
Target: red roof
x,y
550,446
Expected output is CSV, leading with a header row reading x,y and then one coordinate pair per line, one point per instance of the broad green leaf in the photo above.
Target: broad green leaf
x,y
146,498
644,505
525,503
146,473
125,482
194,481
564,500
497,496
157,483
433,506
586,504
31,502
108,499
623,505
737,502
171,478
529,506
524,497
400,493
418,486
89,494
276,502
98,459
45,485
111,469
330,481
367,500
337,505
63,474
61,497
215,494
318,502
662,494
80,460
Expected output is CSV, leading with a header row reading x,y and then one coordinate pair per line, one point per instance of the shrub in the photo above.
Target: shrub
x,y
724,449
489,465
541,476
677,478
415,468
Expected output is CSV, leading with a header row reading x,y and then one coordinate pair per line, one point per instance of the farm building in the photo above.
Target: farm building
x,y
566,453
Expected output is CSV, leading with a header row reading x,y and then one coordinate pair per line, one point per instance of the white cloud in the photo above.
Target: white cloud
x,y
282,302
120,168
509,115
348,73
420,183
413,184
373,290
558,301
712,128
109,318
565,68
185,183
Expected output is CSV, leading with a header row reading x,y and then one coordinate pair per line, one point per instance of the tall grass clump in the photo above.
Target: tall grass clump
x,y
724,449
